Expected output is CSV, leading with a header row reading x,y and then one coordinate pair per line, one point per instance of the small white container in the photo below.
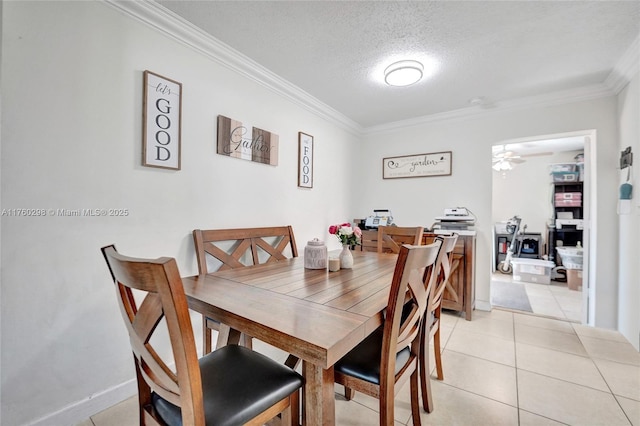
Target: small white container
x,y
532,270
315,255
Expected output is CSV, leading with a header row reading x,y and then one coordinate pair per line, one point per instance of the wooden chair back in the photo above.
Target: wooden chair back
x,y
391,238
369,240
431,326
220,249
413,277
164,299
237,248
445,268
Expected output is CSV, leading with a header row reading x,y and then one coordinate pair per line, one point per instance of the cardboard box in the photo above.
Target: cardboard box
x,y
574,279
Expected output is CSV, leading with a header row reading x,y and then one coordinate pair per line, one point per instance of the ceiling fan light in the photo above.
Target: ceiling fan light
x,y
502,166
403,73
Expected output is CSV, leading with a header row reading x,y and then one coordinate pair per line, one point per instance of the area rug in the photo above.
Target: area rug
x,y
510,295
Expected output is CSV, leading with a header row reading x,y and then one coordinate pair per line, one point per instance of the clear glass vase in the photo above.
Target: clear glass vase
x,y
346,258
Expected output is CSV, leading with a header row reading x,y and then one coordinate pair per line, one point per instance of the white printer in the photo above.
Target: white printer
x,y
456,218
379,218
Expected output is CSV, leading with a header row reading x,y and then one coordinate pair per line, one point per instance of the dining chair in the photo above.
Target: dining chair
x,y
388,357
230,386
369,240
220,249
431,326
391,238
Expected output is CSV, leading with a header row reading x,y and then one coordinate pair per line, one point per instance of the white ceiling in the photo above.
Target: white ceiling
x,y
497,51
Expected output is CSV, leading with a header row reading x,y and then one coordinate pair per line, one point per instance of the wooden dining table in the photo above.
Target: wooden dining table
x,y
313,314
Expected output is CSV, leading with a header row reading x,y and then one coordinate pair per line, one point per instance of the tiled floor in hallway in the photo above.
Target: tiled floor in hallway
x,y
504,368
551,300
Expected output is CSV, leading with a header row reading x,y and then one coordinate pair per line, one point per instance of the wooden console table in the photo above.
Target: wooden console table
x,y
460,294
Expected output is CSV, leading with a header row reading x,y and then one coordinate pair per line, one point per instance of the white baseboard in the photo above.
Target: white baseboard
x,y
483,305
81,410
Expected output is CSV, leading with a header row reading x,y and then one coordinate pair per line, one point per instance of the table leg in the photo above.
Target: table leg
x,y
318,406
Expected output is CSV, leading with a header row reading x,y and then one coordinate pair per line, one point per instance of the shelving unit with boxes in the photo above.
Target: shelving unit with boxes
x,y
565,229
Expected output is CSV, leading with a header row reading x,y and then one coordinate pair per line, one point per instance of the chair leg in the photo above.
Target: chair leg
x,y
415,404
436,343
387,406
438,354
295,410
425,377
206,337
348,393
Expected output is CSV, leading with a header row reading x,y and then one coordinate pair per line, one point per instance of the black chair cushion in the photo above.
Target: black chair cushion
x,y
237,385
363,361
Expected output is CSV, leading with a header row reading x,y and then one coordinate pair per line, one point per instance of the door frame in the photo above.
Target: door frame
x,y
589,200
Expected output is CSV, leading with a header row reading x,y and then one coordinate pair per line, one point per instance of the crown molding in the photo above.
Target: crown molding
x,y
549,99
158,17
163,20
626,68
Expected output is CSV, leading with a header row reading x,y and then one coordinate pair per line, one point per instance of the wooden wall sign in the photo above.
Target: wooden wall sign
x,y
420,165
235,140
161,117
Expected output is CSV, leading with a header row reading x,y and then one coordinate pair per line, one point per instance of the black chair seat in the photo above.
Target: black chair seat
x,y
363,361
231,377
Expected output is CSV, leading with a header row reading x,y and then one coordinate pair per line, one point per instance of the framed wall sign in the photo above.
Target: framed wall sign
x,y
238,141
419,165
305,160
161,122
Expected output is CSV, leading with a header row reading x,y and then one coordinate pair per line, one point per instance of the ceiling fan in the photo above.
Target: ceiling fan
x,y
504,159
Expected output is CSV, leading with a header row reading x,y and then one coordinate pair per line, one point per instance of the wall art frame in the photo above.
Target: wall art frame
x,y
305,160
417,165
244,142
161,122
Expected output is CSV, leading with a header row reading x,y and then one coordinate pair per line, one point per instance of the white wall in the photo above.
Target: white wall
x,y
629,232
71,138
417,201
526,191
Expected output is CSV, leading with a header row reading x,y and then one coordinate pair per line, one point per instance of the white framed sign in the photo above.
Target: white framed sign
x,y
419,165
305,160
161,122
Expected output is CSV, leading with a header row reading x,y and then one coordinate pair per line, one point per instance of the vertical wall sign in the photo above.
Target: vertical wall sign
x,y
161,127
305,160
234,140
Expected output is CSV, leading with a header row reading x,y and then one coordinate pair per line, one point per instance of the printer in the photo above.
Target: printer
x,y
379,218
456,218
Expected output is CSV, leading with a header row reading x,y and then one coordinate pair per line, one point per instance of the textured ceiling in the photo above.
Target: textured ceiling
x,y
497,51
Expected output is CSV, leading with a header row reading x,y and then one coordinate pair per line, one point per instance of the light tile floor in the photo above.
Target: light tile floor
x,y
503,368
552,300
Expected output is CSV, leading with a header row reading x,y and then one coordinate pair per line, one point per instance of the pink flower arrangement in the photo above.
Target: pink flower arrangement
x,y
346,234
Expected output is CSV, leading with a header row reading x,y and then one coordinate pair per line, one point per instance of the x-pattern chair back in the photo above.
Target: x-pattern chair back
x,y
261,245
387,358
164,299
391,238
445,269
431,327
230,248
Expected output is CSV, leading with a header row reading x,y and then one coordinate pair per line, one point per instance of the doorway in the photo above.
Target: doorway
x,y
523,186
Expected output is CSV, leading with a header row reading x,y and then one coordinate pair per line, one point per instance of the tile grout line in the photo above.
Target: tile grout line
x,y
515,365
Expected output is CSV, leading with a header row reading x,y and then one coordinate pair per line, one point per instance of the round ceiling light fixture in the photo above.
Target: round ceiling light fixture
x,y
403,73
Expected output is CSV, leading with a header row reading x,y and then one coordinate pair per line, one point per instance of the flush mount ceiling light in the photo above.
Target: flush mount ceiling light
x,y
403,73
